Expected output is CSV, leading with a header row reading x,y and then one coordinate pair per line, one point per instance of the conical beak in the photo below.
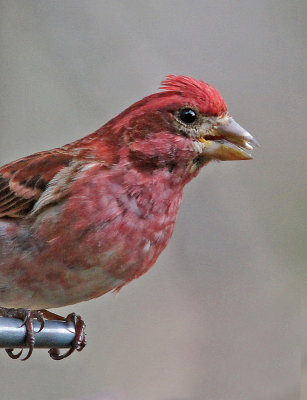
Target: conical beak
x,y
228,141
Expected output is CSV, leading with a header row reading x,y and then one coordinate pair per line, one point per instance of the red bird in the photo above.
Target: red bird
x,y
86,218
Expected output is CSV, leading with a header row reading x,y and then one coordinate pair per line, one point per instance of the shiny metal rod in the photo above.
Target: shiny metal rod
x,y
56,334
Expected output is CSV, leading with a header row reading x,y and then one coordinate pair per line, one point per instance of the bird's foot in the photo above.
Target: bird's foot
x,y
27,317
79,341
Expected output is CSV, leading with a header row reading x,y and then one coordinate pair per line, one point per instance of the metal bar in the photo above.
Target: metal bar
x,y
56,334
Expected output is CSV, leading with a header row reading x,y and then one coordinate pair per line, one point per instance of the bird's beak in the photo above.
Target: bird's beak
x,y
228,141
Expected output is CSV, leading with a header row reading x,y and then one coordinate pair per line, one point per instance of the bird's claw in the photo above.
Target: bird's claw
x,y
27,317
12,355
79,341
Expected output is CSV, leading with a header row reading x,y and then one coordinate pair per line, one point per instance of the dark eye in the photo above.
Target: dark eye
x,y
187,115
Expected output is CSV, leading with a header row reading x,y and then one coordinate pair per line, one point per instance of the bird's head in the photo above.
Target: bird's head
x,y
187,121
200,113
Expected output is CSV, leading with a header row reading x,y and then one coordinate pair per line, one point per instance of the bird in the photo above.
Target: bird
x,y
86,218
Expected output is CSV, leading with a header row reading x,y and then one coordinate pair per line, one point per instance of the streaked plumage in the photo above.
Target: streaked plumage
x,y
88,217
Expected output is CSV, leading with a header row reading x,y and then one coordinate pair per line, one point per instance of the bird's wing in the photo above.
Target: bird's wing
x,y
22,182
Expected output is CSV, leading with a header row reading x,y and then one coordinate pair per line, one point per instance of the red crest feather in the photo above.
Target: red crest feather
x,y
206,95
181,83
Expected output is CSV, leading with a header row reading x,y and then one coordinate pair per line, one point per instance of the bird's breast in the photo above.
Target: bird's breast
x,y
116,224
109,230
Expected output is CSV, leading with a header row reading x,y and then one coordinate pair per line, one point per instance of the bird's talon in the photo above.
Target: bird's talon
x,y
27,317
40,318
12,355
79,341
55,353
30,351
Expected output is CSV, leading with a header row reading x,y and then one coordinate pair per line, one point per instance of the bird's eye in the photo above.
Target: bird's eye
x,y
187,115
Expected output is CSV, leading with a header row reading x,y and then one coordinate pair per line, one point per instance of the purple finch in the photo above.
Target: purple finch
x,y
86,218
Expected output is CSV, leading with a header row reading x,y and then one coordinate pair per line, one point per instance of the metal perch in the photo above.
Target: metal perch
x,y
56,334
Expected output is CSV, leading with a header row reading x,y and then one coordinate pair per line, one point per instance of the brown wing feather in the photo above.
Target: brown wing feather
x,y
23,181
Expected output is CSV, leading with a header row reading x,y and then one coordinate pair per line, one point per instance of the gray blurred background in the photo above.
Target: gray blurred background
x,y
222,315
